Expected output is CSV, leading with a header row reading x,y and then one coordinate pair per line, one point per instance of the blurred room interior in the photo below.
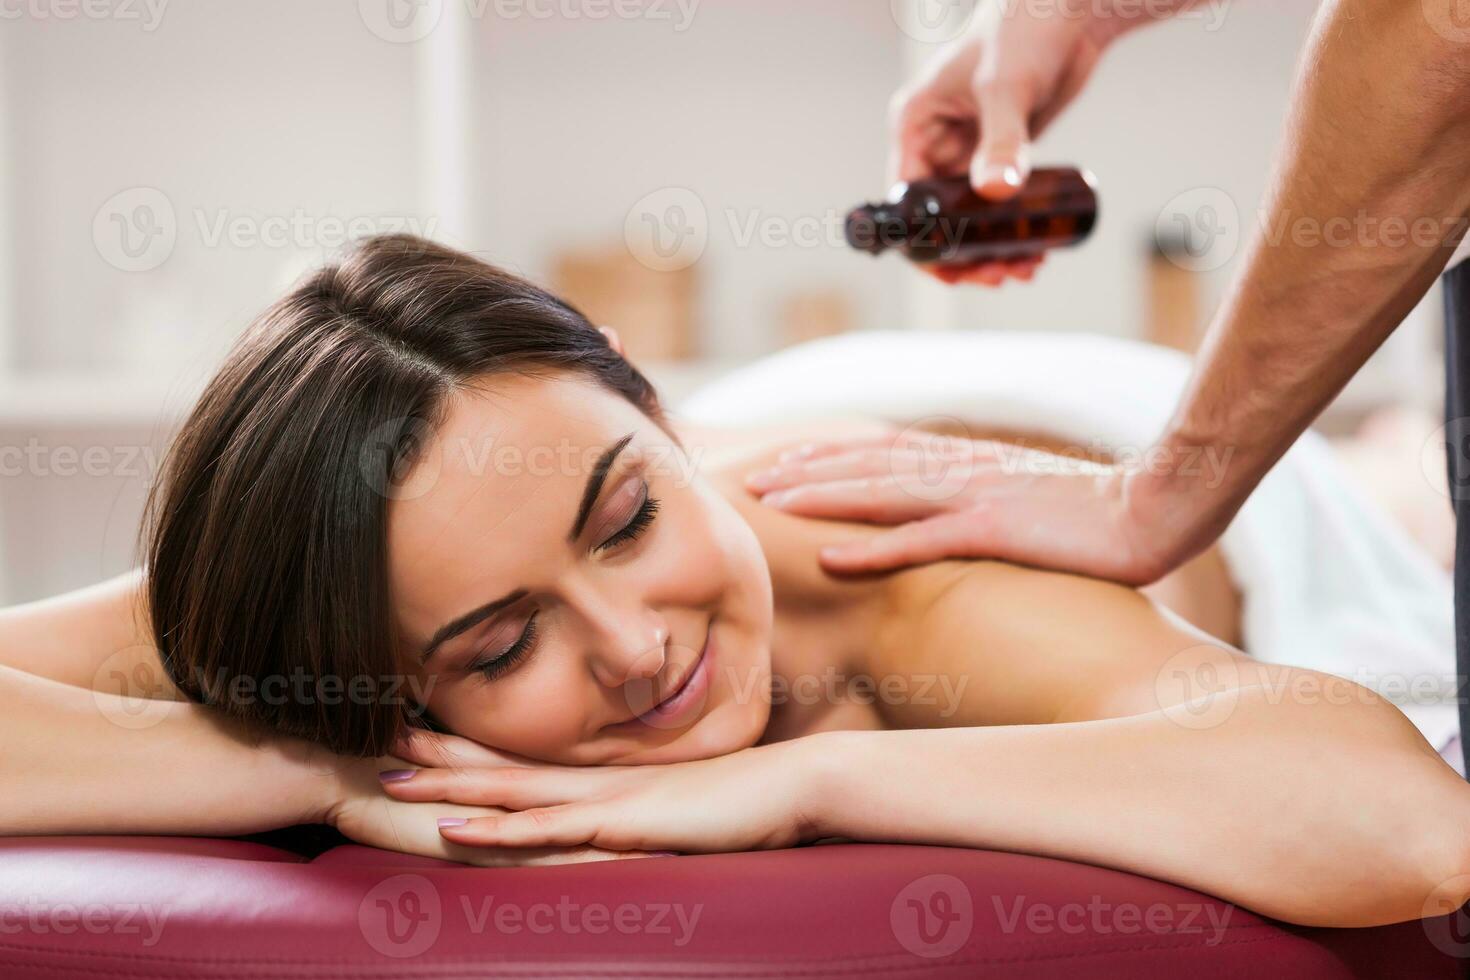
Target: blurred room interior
x,y
681,177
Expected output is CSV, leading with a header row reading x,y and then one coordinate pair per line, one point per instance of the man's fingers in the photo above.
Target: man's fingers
x,y
874,461
930,540
880,500
1002,161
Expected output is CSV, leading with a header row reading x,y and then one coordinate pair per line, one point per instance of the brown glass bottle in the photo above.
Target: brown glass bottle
x,y
944,221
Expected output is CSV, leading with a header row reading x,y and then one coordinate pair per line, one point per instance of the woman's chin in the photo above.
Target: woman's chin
x,y
726,727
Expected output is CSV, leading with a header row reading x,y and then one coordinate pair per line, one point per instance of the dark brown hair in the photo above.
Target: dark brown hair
x,y
266,546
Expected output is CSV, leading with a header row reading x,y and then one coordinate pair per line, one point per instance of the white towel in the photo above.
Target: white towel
x,y
1328,581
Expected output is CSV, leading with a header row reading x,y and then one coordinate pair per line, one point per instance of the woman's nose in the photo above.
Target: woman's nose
x,y
629,648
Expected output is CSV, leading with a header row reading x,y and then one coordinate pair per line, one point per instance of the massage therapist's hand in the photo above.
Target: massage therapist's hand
x,y
962,498
978,104
362,812
757,798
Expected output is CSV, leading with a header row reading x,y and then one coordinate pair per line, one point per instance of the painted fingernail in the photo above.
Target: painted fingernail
x,y
452,822
396,775
776,498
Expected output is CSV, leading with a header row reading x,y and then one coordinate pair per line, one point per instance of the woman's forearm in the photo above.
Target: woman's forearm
x,y
86,762
1320,814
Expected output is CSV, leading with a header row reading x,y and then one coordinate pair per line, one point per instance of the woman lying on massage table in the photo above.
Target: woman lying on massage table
x,y
422,493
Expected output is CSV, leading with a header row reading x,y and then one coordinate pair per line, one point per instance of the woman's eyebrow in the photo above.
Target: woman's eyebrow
x,y
594,484
468,621
590,494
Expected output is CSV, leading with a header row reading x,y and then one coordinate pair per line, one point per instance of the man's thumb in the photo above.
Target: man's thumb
x,y
1002,161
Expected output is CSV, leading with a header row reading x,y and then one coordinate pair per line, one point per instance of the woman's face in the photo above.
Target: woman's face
x,y
564,587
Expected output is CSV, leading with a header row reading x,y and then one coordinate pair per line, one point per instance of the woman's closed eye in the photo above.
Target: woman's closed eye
x,y
512,655
635,525
501,663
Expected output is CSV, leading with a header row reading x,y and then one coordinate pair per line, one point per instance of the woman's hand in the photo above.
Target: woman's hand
x,y
363,813
757,798
963,498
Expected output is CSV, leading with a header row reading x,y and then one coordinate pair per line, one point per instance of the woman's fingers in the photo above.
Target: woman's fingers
x,y
554,826
515,787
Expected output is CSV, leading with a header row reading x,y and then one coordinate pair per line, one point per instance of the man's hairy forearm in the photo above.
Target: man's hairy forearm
x,y
1371,191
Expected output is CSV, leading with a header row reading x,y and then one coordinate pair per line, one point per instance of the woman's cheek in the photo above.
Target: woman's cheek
x,y
539,724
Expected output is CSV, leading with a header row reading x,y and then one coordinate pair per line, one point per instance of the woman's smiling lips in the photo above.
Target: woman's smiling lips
x,y
684,700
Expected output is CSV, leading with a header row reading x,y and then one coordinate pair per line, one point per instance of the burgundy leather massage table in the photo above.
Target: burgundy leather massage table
x,y
138,907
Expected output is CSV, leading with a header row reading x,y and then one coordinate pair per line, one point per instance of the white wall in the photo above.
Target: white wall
x,y
772,112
